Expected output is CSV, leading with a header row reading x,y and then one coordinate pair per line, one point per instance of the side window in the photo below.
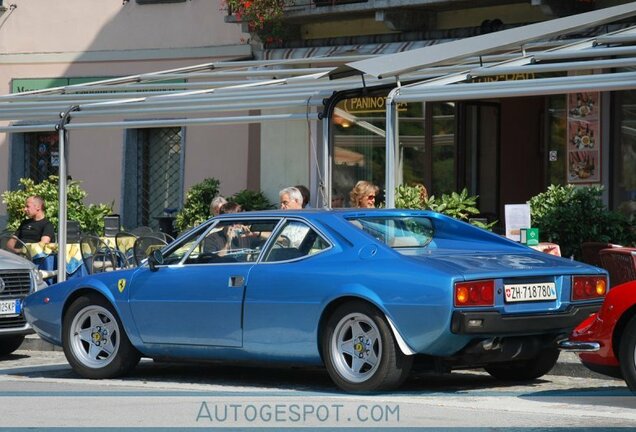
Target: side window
x,y
295,240
232,241
178,251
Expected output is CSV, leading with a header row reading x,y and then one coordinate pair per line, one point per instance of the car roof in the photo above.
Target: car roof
x,y
319,213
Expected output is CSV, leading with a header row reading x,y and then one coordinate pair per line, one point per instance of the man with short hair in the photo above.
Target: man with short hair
x,y
36,229
290,199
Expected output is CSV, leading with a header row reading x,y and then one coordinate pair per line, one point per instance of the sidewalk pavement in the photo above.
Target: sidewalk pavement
x,y
568,364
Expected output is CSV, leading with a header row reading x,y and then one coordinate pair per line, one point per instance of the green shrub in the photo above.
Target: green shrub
x,y
90,217
251,200
457,205
570,215
196,208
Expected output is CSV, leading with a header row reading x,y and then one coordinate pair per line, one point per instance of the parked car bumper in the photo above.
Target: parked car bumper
x,y
493,323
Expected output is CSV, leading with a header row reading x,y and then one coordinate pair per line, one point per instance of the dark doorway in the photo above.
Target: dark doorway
x,y
501,152
522,159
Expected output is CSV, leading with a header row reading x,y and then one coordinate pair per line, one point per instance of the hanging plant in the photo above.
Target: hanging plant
x,y
263,17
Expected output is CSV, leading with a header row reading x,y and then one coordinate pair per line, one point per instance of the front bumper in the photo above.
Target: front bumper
x,y
493,323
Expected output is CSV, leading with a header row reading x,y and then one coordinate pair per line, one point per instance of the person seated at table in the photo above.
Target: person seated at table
x,y
216,204
363,195
36,229
229,237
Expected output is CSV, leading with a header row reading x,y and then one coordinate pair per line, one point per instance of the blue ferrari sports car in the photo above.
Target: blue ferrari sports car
x,y
366,293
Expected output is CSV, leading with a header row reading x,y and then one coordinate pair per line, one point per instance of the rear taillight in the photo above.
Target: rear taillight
x,y
588,287
475,293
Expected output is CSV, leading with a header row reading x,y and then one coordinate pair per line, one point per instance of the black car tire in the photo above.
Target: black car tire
x,y
525,370
89,321
361,329
627,354
8,344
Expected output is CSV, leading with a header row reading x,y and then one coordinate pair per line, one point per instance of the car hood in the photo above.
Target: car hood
x,y
475,264
10,261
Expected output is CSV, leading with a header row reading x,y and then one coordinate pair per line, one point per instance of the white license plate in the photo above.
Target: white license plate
x,y
10,307
530,292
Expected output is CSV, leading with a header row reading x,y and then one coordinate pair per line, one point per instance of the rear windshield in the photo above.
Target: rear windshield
x,y
397,231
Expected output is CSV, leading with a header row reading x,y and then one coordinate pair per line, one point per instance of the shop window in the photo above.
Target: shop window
x,y
153,175
624,154
34,155
557,129
359,144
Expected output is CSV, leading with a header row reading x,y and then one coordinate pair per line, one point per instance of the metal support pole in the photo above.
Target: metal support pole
x,y
326,163
392,140
62,183
61,227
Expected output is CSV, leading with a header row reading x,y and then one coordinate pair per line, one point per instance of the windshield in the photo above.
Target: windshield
x,y
398,231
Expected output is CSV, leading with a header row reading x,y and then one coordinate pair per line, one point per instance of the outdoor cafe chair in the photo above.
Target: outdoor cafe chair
x,y
590,252
144,245
163,236
97,256
620,263
141,230
125,244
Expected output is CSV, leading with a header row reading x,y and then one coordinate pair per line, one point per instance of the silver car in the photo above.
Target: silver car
x,y
18,278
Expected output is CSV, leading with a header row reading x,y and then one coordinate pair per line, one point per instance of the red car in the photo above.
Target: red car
x,y
606,340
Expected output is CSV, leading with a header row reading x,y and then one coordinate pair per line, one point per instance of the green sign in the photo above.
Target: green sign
x,y
31,84
530,236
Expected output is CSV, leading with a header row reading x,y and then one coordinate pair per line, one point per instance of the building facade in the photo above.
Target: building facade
x,y
76,41
505,150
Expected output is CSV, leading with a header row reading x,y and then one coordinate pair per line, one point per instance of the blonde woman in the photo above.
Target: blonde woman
x,y
363,194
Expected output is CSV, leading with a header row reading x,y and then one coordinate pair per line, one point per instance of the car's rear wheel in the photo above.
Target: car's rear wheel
x,y
627,354
94,341
360,352
525,370
8,344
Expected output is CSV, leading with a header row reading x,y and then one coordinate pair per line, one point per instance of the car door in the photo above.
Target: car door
x,y
196,296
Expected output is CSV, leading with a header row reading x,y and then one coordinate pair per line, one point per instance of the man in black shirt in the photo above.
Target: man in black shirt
x,y
36,229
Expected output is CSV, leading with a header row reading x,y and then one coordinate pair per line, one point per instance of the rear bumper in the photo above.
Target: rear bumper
x,y
577,346
494,324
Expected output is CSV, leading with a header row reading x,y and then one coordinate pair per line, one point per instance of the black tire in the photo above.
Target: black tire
x,y
627,354
525,370
94,340
8,344
380,365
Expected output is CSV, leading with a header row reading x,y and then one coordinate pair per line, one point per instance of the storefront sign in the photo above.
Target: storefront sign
x,y
369,104
583,138
506,77
21,85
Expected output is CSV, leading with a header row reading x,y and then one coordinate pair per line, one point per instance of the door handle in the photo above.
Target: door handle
x,y
236,282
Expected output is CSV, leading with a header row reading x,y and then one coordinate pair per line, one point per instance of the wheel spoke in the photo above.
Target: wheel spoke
x,y
356,330
111,327
372,358
346,347
94,351
108,347
85,335
95,319
357,364
372,335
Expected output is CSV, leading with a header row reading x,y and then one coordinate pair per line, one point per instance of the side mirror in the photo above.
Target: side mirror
x,y
155,259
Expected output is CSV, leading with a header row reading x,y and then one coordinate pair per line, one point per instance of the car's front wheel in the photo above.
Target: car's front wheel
x,y
360,352
94,341
627,354
525,370
8,344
